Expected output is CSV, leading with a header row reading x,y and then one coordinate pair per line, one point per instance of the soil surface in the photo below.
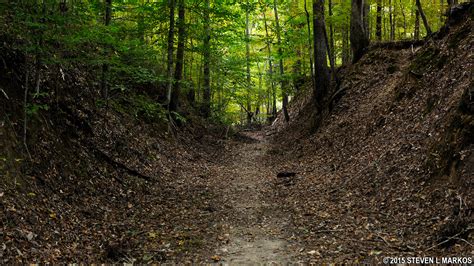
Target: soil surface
x,y
257,227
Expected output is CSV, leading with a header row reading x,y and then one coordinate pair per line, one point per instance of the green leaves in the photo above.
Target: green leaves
x,y
33,108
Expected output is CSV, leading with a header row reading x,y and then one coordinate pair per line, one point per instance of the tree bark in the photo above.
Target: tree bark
x,y
270,65
423,17
332,52
359,36
171,6
392,28
284,91
402,9
38,55
365,18
322,78
178,75
247,57
105,66
417,25
310,45
206,110
378,23
108,12
345,46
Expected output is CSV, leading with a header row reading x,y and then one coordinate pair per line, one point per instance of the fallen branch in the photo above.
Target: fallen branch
x,y
385,241
328,231
120,165
5,94
449,239
464,240
404,44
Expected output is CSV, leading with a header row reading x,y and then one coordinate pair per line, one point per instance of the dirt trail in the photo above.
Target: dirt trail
x,y
257,228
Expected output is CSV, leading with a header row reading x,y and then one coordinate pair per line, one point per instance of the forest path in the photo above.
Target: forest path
x,y
257,227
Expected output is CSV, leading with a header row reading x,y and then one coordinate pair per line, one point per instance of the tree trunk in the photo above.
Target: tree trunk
x,y
452,2
402,9
108,12
298,80
332,52
310,45
365,18
423,17
207,61
345,46
105,66
247,57
270,65
171,6
63,7
392,28
178,75
284,91
359,37
38,56
321,87
378,23
417,25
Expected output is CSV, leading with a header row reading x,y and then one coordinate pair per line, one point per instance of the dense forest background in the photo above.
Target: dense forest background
x,y
235,61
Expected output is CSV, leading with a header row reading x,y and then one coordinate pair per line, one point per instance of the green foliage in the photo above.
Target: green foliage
x,y
176,116
134,45
150,110
142,107
33,109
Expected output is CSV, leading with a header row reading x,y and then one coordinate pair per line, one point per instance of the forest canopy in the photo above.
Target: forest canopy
x,y
234,61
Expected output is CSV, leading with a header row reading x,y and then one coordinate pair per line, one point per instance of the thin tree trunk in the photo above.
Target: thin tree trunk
x,y
171,6
199,93
25,114
207,61
247,57
390,10
423,17
191,90
310,45
105,66
260,100
332,52
417,25
442,10
38,52
178,75
404,19
345,45
365,18
378,24
270,66
284,91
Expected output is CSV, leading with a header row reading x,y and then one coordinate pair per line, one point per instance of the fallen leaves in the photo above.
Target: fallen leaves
x,y
367,170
